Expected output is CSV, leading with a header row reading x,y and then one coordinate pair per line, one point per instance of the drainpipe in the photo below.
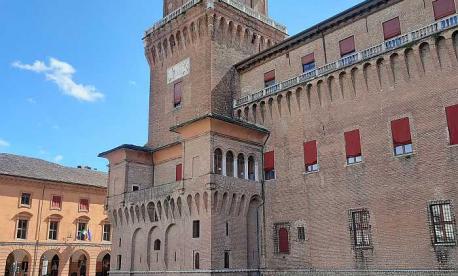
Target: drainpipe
x,y
263,196
37,229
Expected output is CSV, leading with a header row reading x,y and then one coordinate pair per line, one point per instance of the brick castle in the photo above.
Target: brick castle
x,y
330,152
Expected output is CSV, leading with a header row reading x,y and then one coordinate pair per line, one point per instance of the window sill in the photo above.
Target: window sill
x,y
83,211
354,164
56,209
366,247
405,156
309,173
25,206
446,244
452,146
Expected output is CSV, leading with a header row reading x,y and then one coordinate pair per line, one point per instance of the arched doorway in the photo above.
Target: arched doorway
x,y
49,264
17,263
78,264
103,264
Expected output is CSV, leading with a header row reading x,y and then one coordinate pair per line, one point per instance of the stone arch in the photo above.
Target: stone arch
x,y
215,201
166,208
20,257
354,80
103,263
238,34
179,40
241,206
205,199
262,109
230,163
396,70
279,100
222,28
455,43
319,86
126,213
381,72
132,214
252,168
410,62
186,37
52,261
288,101
115,217
230,31
223,203
159,209
308,93
201,25
425,57
246,113
172,208
120,215
136,250
197,201
189,202
179,206
160,51
241,166
137,213
253,112
143,212
171,248
172,44
153,253
239,113
165,48
218,161
193,32
152,214
298,97
252,219
270,102
79,262
442,52
331,88
246,37
232,205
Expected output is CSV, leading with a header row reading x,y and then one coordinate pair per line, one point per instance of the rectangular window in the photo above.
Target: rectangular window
x,y
452,122
311,156
308,62
301,233
402,140
56,202
443,8
347,46
282,238
84,205
269,78
443,223
179,172
196,229
135,188
118,263
269,165
361,229
21,232
106,232
53,227
25,199
353,147
82,233
177,93
391,28
227,229
226,259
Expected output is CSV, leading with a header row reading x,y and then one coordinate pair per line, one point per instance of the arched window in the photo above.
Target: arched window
x,y
157,245
283,240
229,163
251,168
218,162
196,260
241,166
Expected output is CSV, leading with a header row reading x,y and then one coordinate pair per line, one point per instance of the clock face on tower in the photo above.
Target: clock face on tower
x,y
178,70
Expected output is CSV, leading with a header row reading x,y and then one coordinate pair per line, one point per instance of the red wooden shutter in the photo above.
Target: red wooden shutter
x,y
452,121
179,172
400,130
177,92
269,76
353,143
269,161
443,8
283,240
391,28
310,153
308,58
347,46
84,205
56,202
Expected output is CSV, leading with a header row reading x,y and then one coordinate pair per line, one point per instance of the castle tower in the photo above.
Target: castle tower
x,y
191,198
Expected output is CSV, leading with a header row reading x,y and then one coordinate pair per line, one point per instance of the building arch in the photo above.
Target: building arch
x,y
79,263
241,166
229,163
171,248
103,263
253,214
218,161
18,260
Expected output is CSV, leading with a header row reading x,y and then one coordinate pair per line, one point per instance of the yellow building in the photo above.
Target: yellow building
x,y
53,219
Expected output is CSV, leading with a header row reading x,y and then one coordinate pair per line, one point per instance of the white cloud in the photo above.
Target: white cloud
x,y
4,143
31,101
58,158
61,73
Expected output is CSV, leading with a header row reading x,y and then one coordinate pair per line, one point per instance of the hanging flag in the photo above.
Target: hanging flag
x,y
89,234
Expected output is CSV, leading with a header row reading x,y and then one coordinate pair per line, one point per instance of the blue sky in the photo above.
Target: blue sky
x,y
73,77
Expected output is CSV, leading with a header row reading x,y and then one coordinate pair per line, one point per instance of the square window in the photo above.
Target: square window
x,y
84,205
25,199
56,202
135,188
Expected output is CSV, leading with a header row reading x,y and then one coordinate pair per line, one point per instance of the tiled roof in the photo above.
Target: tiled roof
x,y
22,166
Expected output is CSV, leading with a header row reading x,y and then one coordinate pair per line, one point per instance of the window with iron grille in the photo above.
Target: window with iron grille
x,y
443,223
301,233
361,228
